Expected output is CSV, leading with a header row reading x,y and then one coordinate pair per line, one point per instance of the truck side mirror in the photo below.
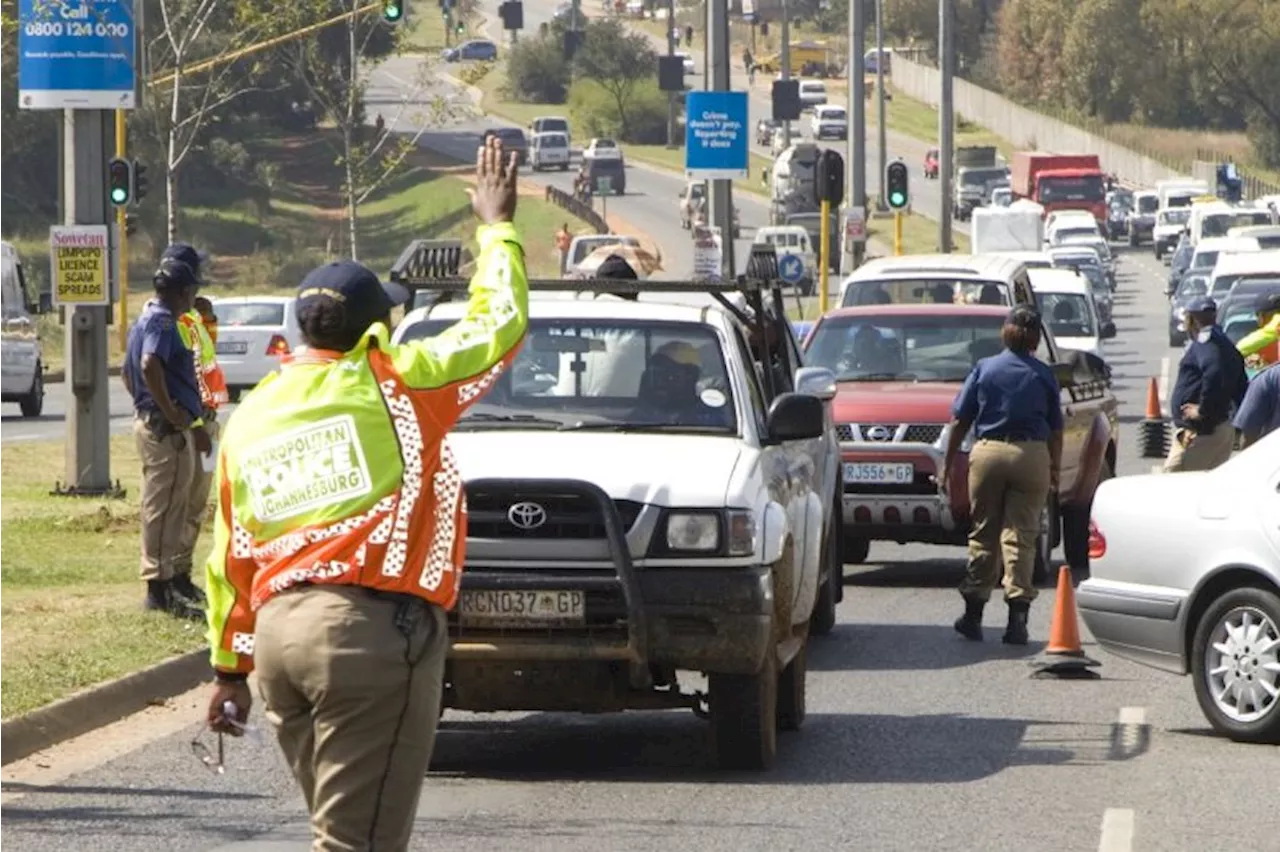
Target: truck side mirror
x,y
1108,330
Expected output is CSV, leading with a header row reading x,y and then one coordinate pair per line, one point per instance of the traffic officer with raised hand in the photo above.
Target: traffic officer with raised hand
x,y
341,530
1011,401
1211,381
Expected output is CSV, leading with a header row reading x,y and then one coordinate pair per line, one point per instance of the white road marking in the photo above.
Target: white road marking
x,y
1117,830
1133,716
1163,384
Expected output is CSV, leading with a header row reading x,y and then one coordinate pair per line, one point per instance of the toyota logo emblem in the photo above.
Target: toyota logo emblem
x,y
879,433
527,516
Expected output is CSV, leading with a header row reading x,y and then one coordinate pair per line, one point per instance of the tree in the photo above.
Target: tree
x,y
617,60
1029,44
537,71
1100,58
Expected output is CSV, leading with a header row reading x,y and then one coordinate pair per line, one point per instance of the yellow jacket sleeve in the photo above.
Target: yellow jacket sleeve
x,y
1260,339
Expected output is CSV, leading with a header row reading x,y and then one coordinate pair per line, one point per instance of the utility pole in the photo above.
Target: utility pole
x,y
720,192
856,161
84,164
946,117
122,242
671,96
785,53
881,204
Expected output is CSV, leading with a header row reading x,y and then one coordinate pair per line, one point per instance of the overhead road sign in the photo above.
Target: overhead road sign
x,y
716,135
78,261
76,54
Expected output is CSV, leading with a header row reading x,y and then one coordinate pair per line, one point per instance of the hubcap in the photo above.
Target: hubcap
x,y
1242,664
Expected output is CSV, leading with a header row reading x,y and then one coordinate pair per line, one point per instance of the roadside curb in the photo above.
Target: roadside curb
x,y
101,705
55,377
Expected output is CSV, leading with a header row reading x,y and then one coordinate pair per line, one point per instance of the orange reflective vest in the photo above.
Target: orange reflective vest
x,y
209,376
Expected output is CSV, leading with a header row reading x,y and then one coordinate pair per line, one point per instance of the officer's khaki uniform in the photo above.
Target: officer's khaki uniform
x,y
1202,452
1008,486
168,465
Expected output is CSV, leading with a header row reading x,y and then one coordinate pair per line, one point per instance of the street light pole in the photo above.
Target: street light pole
x,y
719,191
884,155
856,161
946,116
786,59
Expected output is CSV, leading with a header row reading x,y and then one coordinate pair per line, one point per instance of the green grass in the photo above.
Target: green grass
x,y
672,159
918,120
427,34
71,597
267,251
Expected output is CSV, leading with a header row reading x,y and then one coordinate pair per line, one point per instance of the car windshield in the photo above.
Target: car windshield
x,y
1193,286
607,375
916,291
1097,280
1148,204
249,314
604,143
831,114
1178,216
1244,290
1204,259
1061,235
1217,224
1067,314
892,347
1239,326
1083,188
1067,260
981,177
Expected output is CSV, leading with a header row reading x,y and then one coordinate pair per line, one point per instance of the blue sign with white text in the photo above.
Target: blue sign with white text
x,y
715,140
790,268
76,54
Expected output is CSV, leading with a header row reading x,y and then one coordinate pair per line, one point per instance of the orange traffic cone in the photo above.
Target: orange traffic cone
x,y
1153,400
1063,656
1153,432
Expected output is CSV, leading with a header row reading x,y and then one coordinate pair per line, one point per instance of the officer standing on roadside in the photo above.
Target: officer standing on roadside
x,y
1012,402
1211,380
340,537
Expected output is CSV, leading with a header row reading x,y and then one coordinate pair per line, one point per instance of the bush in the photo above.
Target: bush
x,y
596,112
537,72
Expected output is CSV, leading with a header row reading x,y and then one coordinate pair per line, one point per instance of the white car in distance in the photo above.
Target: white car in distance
x,y
602,149
1068,307
254,333
549,151
829,122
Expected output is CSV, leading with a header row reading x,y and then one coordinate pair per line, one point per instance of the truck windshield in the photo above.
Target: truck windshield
x,y
1148,204
892,347
1177,216
1217,224
1055,190
606,375
981,177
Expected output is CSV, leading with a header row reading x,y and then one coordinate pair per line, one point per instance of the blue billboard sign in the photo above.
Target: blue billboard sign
x,y
76,54
716,140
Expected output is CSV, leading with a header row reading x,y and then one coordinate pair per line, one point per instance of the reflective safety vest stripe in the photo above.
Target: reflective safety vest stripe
x,y
1264,343
209,376
336,470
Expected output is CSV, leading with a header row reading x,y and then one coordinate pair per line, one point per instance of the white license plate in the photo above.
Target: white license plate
x,y
501,606
231,348
879,474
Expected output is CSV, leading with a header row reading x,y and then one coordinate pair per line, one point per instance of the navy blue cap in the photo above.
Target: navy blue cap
x,y
1202,305
1268,303
186,253
174,273
356,287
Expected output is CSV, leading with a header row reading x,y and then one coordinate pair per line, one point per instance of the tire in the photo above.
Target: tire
x,y
791,686
744,717
32,403
1262,607
824,611
856,550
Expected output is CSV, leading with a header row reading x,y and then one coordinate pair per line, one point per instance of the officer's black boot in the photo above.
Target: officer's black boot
x,y
157,596
969,625
187,590
1015,633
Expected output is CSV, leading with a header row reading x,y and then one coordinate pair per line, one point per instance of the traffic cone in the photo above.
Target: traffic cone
x,y
1153,433
1064,657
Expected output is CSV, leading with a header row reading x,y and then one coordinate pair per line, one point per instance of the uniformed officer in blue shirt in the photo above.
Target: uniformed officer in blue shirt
x,y
1011,400
1211,382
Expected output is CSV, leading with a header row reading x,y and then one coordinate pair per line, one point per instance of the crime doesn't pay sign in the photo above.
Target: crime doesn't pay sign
x,y
79,260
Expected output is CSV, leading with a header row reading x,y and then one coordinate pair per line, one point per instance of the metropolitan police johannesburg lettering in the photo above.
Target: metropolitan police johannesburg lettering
x,y
320,464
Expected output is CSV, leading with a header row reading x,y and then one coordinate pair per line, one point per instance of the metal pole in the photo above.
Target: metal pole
x,y
884,156
824,257
84,166
897,233
946,117
786,58
856,161
671,96
122,245
720,192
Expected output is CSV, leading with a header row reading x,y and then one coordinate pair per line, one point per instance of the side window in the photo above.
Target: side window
x,y
1045,351
758,407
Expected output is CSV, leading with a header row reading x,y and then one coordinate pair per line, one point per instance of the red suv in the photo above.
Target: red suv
x,y
931,164
898,369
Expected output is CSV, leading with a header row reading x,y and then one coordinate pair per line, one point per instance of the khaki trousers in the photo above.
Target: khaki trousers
x,y
352,684
1202,452
1008,487
166,481
197,502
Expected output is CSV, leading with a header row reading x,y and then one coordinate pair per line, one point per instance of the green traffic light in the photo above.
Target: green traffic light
x,y
392,12
119,196
897,199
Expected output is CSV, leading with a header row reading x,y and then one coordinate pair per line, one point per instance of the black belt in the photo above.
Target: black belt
x,y
1012,439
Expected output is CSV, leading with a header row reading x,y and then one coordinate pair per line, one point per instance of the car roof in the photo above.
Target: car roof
x,y
929,310
960,266
579,305
1058,281
1227,244
1246,262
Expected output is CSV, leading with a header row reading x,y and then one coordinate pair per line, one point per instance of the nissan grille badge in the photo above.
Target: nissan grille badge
x,y
879,433
527,516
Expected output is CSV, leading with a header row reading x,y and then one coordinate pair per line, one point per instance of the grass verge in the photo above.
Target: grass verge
x,y
69,577
267,251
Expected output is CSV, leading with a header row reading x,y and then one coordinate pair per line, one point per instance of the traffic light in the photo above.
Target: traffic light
x,y
512,14
459,28
829,185
786,100
572,41
139,182
130,224
895,185
392,11
119,181
670,74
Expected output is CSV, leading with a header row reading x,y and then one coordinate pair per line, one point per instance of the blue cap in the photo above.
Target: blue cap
x,y
1202,305
356,287
174,273
186,253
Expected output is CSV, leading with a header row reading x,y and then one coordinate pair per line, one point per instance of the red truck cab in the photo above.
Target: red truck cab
x,y
1061,182
899,368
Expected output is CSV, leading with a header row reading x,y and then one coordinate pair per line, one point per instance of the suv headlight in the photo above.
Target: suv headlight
x,y
688,531
730,532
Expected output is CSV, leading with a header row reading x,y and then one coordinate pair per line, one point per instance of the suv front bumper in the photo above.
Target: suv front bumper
x,y
914,512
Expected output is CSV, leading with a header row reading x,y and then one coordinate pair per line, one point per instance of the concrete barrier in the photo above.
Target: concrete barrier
x,y
1027,129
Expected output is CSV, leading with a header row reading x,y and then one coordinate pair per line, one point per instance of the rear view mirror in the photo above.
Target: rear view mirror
x,y
1065,373
1108,330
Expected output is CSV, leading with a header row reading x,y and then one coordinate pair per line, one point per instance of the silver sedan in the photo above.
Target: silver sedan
x,y
1185,577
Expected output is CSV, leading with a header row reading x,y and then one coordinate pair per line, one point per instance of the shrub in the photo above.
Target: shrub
x,y
596,112
537,72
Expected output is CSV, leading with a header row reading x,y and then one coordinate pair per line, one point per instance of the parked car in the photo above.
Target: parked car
x,y
1186,578
23,360
898,369
931,164
765,129
513,139
476,50
254,332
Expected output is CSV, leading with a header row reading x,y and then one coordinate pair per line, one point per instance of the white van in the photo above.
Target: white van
x,y
549,150
1070,309
813,93
1179,192
794,240
985,279
1233,268
21,362
1268,236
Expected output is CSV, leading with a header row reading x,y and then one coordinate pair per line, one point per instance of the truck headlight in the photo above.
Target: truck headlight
x,y
688,531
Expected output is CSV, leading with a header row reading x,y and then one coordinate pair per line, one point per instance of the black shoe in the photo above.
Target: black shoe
x,y
1015,633
189,592
969,625
162,598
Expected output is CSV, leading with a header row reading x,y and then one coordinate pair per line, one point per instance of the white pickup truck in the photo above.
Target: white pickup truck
x,y
645,498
